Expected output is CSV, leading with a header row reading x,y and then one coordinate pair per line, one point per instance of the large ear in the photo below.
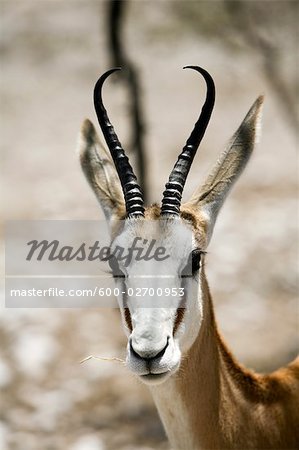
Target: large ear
x,y
100,172
211,195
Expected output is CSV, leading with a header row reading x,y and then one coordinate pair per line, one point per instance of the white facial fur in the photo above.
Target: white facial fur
x,y
154,350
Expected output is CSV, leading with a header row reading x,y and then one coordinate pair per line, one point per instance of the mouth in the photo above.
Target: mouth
x,y
154,378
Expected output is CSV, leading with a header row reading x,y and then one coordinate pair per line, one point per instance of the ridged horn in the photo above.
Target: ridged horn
x,y
131,189
172,195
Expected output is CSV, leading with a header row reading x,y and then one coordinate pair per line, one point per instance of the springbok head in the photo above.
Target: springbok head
x,y
162,305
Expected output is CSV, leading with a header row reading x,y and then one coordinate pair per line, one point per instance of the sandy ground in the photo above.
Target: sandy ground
x,y
51,55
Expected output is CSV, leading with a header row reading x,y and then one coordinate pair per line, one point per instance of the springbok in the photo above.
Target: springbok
x,y
205,398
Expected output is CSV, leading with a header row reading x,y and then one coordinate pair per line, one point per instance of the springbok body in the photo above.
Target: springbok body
x,y
206,400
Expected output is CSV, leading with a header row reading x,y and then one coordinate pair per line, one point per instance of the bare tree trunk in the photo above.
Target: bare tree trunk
x,y
116,11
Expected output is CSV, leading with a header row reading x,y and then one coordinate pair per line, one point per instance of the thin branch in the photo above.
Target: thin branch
x,y
241,16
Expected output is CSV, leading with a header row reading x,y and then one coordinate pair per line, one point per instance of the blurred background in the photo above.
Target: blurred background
x,y
51,55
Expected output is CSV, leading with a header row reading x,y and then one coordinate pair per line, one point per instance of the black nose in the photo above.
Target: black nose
x,y
148,354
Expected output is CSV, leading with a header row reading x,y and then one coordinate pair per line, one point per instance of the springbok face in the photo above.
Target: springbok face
x,y
162,305
159,310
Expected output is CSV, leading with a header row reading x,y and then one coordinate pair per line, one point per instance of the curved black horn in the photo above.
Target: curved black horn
x,y
132,192
172,195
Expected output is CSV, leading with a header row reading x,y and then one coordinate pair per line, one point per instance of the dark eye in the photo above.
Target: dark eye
x,y
195,255
114,266
193,264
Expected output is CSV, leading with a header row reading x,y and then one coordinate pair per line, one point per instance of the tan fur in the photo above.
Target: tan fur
x,y
230,407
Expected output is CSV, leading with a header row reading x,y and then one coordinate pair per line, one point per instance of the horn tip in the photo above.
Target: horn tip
x,y
110,71
192,67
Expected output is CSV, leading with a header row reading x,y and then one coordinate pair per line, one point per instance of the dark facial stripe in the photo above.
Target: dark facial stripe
x,y
128,319
178,318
